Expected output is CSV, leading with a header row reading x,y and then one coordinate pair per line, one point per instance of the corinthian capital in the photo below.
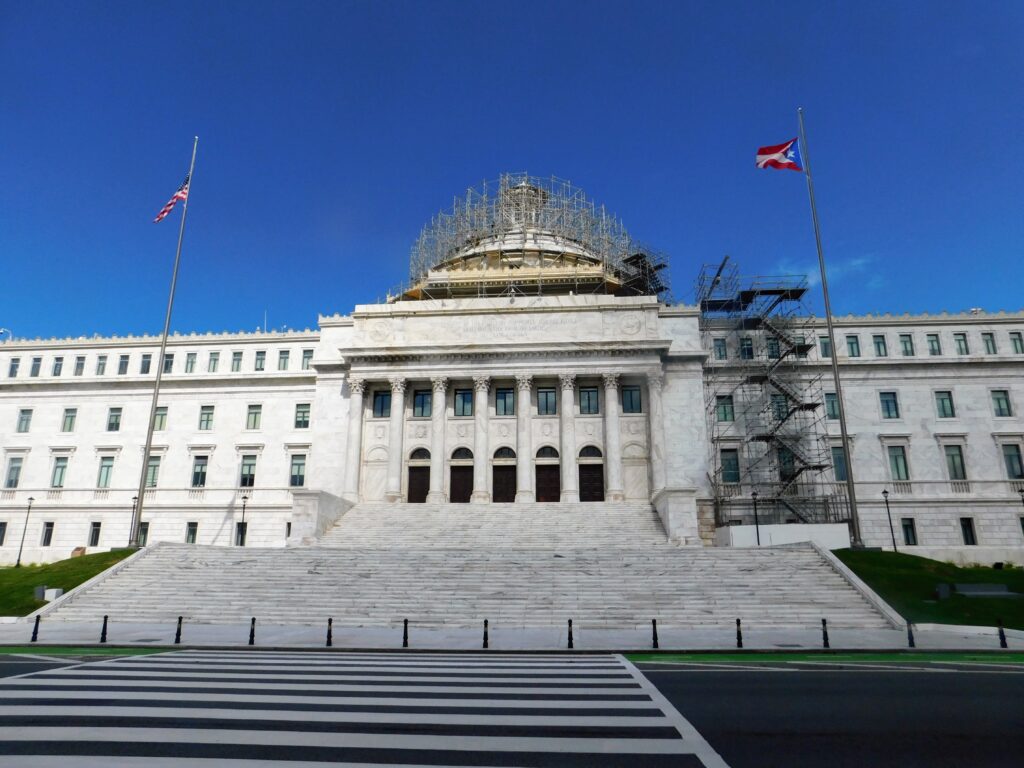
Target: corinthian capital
x,y
397,386
439,383
611,380
481,383
524,382
356,386
567,380
655,381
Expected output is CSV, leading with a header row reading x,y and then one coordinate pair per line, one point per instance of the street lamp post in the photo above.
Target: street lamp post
x,y
135,503
24,531
757,524
885,495
240,535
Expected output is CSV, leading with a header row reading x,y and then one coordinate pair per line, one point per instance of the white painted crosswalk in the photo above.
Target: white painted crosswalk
x,y
259,708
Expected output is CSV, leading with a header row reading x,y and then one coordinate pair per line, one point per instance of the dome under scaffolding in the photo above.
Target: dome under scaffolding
x,y
524,235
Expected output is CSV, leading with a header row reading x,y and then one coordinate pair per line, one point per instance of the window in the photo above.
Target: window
x,y
205,418
106,470
213,362
241,529
122,365
774,348
890,405
261,361
989,340
853,346
780,406
60,471
934,347
801,346
906,345
839,463
955,462
58,366
307,359
1012,460
190,362
589,404
909,531
590,452
547,452
730,460
464,402
464,454
252,418
160,419
3,531
12,369
831,405
236,362
967,530
960,339
1017,339
191,532
302,416
422,454
746,349
505,402
724,408
898,467
381,404
94,534
547,402
114,420
1001,403
248,473
47,537
24,419
824,346
13,472
944,404
79,365
721,350
199,467
297,477
881,348
143,533
507,453
101,365
787,464
168,363
152,471
282,360
421,403
630,399
37,363
144,366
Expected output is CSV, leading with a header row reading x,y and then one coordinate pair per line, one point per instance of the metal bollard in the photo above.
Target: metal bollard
x,y
485,633
910,636
103,632
330,632
824,634
252,631
654,633
35,631
405,633
177,632
570,633
1002,634
739,634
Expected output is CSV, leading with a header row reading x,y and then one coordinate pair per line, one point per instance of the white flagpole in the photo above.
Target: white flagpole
x,y
848,456
133,540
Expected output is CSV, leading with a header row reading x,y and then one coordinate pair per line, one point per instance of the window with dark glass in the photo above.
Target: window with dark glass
x,y
961,343
890,405
47,538
199,467
106,470
1017,339
831,405
721,350
774,348
37,363
838,463
421,403
824,346
236,362
463,402
168,363
382,404
261,361
13,475
1001,403
944,404
906,345
68,423
282,359
881,348
94,534
248,474
853,346
24,419
307,359
205,418
746,349
934,346
589,403
297,474
122,365
160,419
60,471
730,461
145,364
898,467
302,416
12,369
801,346
505,402
253,417
955,462
58,366
724,408
989,340
79,365
3,531
1012,460
967,530
630,399
114,420
213,362
101,365
190,362
191,532
143,533
152,471
909,531
780,406
547,402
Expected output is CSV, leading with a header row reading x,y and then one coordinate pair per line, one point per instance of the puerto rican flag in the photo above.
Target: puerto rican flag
x,y
780,156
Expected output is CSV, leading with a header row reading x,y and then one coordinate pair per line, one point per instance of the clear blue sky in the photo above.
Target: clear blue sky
x,y
330,132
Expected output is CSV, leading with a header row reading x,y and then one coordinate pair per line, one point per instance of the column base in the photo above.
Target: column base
x,y
524,497
480,497
611,495
436,497
394,497
569,496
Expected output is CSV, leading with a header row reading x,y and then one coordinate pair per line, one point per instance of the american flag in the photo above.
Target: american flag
x,y
181,194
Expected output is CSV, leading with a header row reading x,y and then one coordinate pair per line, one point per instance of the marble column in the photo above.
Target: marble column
x,y
438,411
393,489
567,421
613,488
354,457
524,449
656,417
481,459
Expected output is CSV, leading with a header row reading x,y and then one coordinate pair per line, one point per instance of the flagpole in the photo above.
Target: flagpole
x,y
133,540
848,456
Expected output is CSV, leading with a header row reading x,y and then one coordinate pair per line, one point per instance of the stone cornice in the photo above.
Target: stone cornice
x,y
175,341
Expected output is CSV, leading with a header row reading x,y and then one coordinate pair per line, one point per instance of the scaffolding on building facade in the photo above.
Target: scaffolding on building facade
x,y
764,401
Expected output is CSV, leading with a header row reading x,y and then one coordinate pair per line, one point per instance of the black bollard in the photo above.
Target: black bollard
x,y
485,633
570,633
654,633
405,633
252,631
103,632
824,634
1002,633
177,633
330,632
910,636
35,631
739,634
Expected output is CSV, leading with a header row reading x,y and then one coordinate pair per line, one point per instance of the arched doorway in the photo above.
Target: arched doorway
x,y
503,476
419,476
461,485
548,475
591,474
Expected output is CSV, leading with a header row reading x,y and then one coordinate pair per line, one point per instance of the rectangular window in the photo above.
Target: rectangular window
x,y
1012,460
282,360
1001,403
824,346
58,366
967,529
630,399
199,467
152,471
421,403
547,402
746,349
122,365
787,464
13,476
3,531
168,363
307,359
37,363
463,402
934,346
1017,339
944,404
205,418
853,346
989,340
60,471
774,348
114,420
890,405
213,362
961,343
909,531
160,419
899,470
724,408
143,533
381,404
780,406
47,537
24,419
190,362
236,362
721,350
94,534
248,473
589,403
241,529
145,364
802,346
261,361
881,348
831,405
253,417
297,477
505,402
839,464
101,365
730,458
106,470
955,462
191,532
79,365
302,416
12,369
906,345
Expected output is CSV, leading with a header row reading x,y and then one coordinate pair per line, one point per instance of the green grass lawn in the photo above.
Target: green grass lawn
x,y
908,584
18,584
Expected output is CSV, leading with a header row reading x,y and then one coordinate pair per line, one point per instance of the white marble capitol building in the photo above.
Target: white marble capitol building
x,y
533,363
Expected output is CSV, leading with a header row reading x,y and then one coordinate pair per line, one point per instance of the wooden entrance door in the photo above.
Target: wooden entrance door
x,y
461,485
504,485
419,484
549,482
591,482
